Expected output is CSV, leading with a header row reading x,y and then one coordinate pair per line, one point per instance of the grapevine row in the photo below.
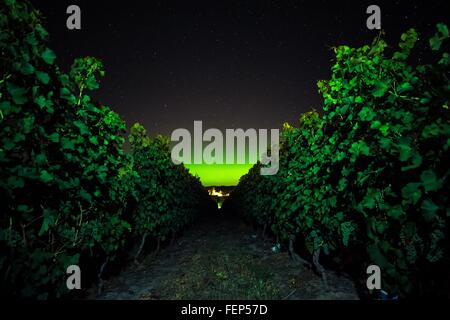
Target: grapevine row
x,y
69,194
365,181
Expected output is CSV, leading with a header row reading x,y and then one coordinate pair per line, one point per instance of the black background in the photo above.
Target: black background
x,y
232,64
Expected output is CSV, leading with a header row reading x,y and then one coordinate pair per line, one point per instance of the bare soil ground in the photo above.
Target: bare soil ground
x,y
222,258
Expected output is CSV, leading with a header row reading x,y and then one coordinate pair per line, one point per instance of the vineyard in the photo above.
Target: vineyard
x,y
362,181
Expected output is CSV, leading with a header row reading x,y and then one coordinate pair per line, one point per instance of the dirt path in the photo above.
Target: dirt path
x,y
222,258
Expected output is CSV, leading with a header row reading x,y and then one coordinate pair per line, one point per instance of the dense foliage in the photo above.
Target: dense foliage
x,y
367,179
66,185
170,197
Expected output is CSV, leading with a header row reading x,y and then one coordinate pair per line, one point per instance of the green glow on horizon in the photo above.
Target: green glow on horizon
x,y
219,174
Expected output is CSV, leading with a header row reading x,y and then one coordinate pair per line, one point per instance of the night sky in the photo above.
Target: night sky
x,y
232,64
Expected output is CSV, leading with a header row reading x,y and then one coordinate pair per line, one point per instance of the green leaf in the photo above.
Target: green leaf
x,y
435,43
85,195
46,176
41,159
48,56
430,181
48,221
43,77
429,208
385,143
416,162
15,182
54,137
17,93
359,147
28,124
384,129
439,37
41,31
432,130
380,88
395,212
18,137
92,83
26,68
347,228
445,60
405,151
366,114
443,29
411,192
342,184
68,144
23,208
82,127
93,140
406,86
375,124
371,198
40,101
31,39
